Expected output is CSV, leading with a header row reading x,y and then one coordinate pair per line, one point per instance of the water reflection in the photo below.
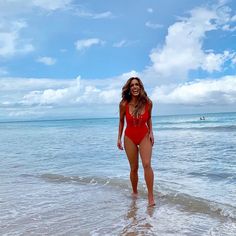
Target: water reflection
x,y
138,219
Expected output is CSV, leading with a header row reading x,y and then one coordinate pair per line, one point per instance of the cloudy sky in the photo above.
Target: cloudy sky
x,y
70,58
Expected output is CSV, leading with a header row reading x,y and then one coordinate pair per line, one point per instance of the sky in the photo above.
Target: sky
x,y
70,58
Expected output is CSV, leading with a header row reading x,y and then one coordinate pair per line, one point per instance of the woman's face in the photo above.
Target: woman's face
x,y
134,88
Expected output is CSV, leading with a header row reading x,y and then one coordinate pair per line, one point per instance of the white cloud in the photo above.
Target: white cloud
x,y
26,113
103,15
124,43
213,62
29,96
183,49
86,43
150,10
49,96
80,93
61,93
228,27
205,92
9,85
56,96
120,44
153,26
51,5
233,18
49,61
17,7
87,14
14,7
110,96
7,42
10,41
77,92
234,60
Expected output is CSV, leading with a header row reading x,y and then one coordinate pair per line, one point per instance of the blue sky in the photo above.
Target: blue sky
x,y
70,59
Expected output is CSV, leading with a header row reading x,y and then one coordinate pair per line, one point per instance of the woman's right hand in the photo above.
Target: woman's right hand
x,y
119,144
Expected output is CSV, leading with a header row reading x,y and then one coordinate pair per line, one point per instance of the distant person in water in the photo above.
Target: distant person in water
x,y
136,107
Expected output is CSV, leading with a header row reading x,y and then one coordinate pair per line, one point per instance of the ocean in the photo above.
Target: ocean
x,y
67,177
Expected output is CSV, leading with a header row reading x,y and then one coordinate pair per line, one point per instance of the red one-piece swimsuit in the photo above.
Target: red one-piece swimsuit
x,y
136,127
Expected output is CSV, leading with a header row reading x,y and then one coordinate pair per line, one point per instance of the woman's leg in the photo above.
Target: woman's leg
x,y
132,153
145,148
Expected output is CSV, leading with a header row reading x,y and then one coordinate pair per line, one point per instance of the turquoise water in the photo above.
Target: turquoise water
x,y
68,178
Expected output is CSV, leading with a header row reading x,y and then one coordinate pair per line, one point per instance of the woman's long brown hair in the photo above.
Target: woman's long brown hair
x,y
142,100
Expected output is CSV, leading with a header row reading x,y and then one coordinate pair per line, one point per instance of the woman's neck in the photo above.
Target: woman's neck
x,y
134,100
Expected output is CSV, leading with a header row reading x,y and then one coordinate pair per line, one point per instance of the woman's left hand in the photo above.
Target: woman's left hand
x,y
119,144
151,138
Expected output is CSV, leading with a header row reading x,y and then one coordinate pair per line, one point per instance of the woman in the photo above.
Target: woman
x,y
138,139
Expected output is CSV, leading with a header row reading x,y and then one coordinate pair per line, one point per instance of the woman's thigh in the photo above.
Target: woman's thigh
x,y
131,150
145,148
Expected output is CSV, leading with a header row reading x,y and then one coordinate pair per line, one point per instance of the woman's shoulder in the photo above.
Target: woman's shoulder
x,y
149,102
149,105
123,104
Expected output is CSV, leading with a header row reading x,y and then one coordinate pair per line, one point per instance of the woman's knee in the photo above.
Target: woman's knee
x,y
134,169
147,165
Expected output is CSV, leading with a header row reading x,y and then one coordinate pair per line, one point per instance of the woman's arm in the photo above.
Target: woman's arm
x,y
149,123
121,125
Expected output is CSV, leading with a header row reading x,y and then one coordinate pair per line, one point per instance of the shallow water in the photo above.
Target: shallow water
x,y
68,178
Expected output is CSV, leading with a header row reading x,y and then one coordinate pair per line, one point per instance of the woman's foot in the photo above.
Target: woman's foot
x,y
151,201
134,195
151,204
